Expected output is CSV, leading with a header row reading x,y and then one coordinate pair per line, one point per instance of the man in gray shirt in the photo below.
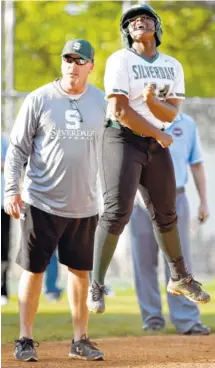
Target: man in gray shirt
x,y
56,132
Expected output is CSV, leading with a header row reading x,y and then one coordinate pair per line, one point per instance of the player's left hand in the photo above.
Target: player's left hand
x,y
148,93
203,213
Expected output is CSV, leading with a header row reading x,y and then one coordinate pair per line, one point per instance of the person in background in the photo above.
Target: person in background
x,y
5,229
186,152
52,291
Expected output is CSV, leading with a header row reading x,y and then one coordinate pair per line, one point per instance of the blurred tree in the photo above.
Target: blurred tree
x,y
42,27
189,35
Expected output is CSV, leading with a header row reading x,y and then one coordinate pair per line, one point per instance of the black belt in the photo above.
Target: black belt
x,y
154,146
117,125
180,190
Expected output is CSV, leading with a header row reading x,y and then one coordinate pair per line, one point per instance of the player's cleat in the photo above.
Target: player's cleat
x,y
25,351
198,330
84,349
96,298
190,288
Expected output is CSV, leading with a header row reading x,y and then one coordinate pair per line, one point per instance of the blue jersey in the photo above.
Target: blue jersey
x,y
4,146
186,147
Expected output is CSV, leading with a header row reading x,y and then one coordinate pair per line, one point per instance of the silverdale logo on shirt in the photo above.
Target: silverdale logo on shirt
x,y
73,127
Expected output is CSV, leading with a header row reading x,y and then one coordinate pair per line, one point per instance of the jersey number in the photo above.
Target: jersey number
x,y
162,93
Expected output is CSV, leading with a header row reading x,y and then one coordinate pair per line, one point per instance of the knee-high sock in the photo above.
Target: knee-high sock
x,y
104,248
169,243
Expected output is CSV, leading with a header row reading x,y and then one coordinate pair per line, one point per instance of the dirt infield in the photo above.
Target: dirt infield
x,y
128,352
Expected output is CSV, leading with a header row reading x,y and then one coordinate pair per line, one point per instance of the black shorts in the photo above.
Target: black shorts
x,y
42,232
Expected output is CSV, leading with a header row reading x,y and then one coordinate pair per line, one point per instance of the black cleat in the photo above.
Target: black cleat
x,y
25,351
198,330
85,350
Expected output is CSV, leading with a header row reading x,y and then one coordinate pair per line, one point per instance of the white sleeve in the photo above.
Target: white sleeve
x,y
116,79
178,88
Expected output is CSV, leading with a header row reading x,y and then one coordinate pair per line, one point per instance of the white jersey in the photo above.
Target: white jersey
x,y
128,73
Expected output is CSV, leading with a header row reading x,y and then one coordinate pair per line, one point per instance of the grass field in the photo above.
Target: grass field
x,y
122,318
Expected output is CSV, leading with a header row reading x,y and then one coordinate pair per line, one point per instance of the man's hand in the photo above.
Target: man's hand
x,y
164,139
12,205
149,93
203,213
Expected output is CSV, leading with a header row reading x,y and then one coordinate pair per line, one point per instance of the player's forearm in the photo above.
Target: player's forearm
x,y
136,122
162,110
199,177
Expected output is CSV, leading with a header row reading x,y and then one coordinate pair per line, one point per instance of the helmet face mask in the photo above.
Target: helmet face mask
x,y
141,22
134,12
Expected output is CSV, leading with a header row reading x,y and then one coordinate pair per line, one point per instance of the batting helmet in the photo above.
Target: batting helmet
x,y
133,12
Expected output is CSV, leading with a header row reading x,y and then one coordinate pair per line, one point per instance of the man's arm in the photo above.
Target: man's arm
x,y
119,105
20,147
199,177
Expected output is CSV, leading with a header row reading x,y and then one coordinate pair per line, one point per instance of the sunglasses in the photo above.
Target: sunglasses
x,y
78,61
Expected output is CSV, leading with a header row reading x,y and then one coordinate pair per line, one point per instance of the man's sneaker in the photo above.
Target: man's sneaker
x,y
53,297
25,351
190,288
4,300
198,330
96,298
154,327
85,350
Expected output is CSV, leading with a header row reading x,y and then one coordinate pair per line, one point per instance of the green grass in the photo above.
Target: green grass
x,y
122,318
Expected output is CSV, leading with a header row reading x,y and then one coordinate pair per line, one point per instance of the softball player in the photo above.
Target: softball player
x,y
184,314
56,131
144,89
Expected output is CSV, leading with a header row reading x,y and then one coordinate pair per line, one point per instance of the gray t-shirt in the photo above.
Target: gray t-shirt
x,y
57,136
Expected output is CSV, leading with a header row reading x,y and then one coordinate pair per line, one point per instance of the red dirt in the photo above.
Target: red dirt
x,y
127,352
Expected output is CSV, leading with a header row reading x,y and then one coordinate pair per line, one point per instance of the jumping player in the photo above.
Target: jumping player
x,y
144,89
